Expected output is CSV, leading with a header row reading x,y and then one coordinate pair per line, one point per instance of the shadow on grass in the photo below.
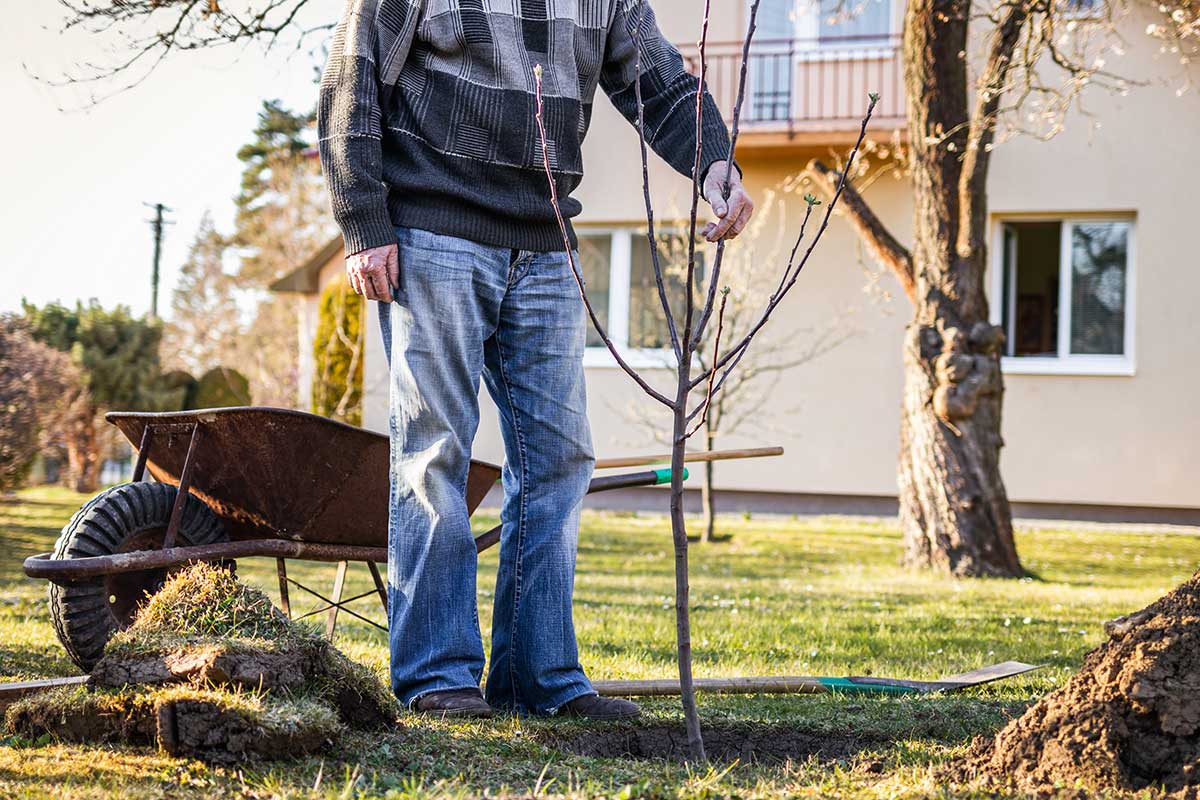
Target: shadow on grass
x,y
746,743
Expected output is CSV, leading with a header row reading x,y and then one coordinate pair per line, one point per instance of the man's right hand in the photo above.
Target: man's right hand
x,y
375,272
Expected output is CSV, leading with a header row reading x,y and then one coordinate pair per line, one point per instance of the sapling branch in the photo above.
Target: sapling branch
x,y
732,353
718,259
703,409
562,226
690,281
651,234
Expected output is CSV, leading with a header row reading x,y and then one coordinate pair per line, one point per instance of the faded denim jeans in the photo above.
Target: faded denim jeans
x,y
464,310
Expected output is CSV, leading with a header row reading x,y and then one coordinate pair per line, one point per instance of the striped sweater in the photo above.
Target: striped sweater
x,y
426,112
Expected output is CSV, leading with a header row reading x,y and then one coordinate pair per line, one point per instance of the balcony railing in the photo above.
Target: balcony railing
x,y
795,85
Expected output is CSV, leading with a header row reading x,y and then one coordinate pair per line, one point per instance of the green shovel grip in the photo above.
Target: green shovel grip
x,y
664,475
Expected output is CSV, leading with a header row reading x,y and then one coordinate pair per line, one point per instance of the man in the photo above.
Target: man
x,y
430,149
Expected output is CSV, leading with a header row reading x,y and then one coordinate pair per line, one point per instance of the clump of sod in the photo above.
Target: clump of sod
x,y
211,668
215,724
206,605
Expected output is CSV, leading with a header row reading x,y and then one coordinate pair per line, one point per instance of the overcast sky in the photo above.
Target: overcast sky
x,y
73,222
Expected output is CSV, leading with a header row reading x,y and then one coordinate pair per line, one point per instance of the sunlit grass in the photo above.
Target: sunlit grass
x,y
782,596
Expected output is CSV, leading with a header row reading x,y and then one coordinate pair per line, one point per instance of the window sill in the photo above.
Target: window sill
x,y
840,51
600,358
1115,366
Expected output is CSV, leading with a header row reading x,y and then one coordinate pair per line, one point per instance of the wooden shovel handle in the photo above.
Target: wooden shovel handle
x,y
699,455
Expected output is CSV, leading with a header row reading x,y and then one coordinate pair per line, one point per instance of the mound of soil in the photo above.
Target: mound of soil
x,y
210,668
1129,720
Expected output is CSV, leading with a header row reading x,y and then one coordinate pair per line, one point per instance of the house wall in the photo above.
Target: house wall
x,y
1079,439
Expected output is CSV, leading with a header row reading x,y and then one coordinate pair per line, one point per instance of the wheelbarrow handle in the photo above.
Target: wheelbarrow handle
x,y
699,455
653,477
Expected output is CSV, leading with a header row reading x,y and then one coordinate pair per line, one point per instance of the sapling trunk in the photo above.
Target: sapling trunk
x,y
683,631
687,420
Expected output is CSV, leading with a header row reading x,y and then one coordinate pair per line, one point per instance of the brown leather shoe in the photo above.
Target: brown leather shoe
x,y
601,709
453,703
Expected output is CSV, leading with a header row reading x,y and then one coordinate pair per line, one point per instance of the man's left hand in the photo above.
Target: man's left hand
x,y
733,210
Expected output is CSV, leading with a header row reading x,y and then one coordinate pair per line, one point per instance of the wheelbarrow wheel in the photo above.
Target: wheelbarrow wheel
x,y
125,518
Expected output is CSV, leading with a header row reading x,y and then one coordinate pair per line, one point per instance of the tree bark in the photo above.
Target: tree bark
x,y
683,630
954,511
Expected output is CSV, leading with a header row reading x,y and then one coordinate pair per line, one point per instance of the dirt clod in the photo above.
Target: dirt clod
x,y
1127,721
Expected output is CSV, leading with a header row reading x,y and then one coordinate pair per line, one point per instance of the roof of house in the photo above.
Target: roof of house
x,y
303,278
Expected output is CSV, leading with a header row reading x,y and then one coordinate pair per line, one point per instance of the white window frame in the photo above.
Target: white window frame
x,y
620,273
1066,363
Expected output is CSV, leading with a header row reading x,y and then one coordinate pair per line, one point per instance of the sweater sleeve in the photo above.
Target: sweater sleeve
x,y
668,91
349,115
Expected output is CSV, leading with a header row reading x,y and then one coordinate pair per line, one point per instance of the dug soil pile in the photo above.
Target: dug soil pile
x,y
1129,720
210,668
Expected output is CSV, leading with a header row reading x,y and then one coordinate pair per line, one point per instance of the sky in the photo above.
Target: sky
x,y
74,181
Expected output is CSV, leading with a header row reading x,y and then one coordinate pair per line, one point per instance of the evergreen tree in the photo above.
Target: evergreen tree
x,y
117,354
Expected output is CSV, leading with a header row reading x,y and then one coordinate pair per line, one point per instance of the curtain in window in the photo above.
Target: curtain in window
x,y
1099,254
595,254
647,328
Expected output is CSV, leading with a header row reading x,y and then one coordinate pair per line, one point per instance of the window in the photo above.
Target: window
x,y
595,253
619,272
860,21
1066,300
1081,9
805,51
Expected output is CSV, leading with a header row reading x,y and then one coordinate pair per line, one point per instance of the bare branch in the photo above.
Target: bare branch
x,y
973,177
883,245
689,307
734,354
150,30
714,278
650,234
562,226
716,352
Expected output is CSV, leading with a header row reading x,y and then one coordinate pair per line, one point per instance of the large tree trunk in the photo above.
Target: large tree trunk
x,y
953,508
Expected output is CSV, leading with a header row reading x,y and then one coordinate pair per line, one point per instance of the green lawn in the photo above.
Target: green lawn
x,y
814,596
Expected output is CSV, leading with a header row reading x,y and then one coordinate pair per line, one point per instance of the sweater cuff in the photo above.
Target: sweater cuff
x,y
366,228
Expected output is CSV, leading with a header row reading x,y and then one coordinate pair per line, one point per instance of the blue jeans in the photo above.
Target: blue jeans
x,y
464,310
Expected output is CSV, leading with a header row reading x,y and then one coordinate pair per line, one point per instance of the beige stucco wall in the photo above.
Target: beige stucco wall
x,y
1070,439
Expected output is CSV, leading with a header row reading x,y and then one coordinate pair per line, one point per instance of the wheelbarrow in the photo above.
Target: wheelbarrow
x,y
222,484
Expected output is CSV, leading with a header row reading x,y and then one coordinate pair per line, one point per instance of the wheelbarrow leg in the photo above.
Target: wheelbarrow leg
x,y
335,603
139,471
284,602
379,587
185,483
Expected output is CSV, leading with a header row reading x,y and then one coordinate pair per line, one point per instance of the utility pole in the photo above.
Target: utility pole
x,y
157,224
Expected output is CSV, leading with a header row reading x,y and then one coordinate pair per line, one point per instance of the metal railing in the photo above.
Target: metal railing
x,y
797,84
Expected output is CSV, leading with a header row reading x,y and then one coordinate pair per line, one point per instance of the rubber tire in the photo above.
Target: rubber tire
x,y
80,610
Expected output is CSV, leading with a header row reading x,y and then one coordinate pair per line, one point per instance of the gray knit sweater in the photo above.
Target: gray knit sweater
x,y
426,114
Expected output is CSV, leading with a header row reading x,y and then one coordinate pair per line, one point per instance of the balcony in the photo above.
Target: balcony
x,y
807,91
